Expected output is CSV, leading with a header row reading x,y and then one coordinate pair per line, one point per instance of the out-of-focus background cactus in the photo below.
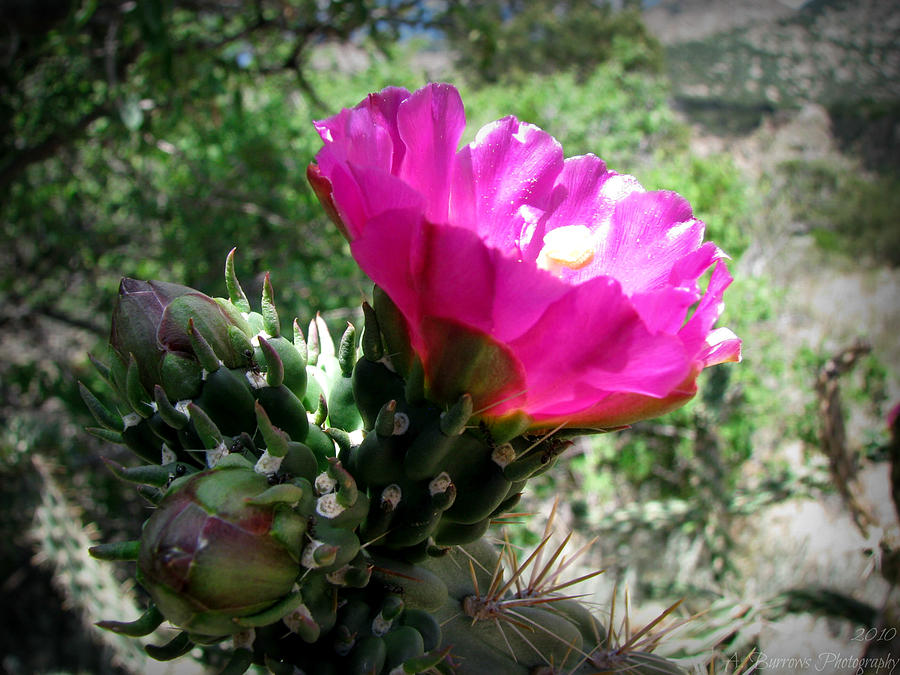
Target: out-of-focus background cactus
x,y
147,138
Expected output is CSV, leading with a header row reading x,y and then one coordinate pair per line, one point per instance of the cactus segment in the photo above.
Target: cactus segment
x,y
321,444
420,587
373,384
316,388
228,401
425,624
402,644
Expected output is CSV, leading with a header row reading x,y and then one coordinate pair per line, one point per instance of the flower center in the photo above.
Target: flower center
x,y
570,246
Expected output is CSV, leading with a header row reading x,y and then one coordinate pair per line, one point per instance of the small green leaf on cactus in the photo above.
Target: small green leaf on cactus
x,y
169,413
384,422
326,342
271,324
240,345
106,434
415,381
102,369
300,622
372,347
347,490
152,494
145,624
395,330
274,364
313,345
342,438
508,427
286,493
279,610
209,433
347,351
422,664
321,411
137,396
275,439
454,421
180,645
300,342
104,416
391,607
235,292
149,474
202,349
239,662
119,550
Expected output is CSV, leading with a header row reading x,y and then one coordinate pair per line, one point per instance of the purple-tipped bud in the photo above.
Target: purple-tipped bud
x,y
151,320
212,553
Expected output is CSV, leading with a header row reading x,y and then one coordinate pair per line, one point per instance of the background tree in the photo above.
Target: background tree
x,y
513,38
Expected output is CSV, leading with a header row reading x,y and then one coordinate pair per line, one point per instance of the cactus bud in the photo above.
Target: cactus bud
x,y
152,319
212,553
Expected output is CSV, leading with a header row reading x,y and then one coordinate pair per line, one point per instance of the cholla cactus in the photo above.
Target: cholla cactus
x,y
341,495
90,588
338,519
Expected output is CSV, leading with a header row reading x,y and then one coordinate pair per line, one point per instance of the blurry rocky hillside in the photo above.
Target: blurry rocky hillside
x,y
756,57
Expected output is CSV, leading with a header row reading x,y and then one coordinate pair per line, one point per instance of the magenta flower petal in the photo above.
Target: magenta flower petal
x,y
543,286
694,333
431,121
597,342
502,179
393,235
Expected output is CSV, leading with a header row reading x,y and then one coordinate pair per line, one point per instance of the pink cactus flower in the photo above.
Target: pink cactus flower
x,y
544,286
